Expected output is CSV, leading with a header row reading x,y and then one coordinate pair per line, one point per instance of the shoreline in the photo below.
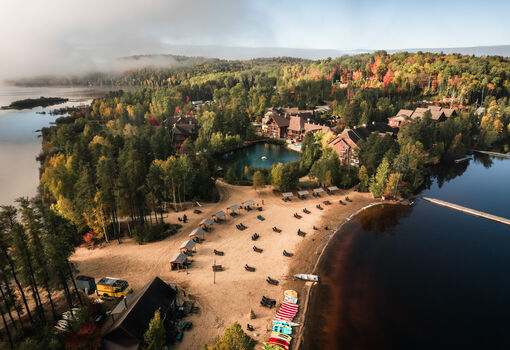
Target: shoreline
x,y
299,340
234,292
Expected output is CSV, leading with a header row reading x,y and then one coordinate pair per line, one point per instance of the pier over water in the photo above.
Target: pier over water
x,y
468,210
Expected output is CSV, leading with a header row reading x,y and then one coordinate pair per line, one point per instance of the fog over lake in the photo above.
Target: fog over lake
x,y
19,141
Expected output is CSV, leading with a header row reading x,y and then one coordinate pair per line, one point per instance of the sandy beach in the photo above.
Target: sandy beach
x,y
235,291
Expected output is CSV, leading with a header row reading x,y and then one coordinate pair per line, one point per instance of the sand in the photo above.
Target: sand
x,y
235,291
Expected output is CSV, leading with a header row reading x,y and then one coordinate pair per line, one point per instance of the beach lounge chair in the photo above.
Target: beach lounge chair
x,y
261,218
315,228
249,327
287,254
301,233
217,268
272,281
341,202
347,199
217,252
249,268
327,202
306,211
255,236
197,211
318,206
297,216
259,208
257,250
276,229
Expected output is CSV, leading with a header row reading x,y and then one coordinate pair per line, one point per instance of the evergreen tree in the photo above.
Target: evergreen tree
x,y
155,336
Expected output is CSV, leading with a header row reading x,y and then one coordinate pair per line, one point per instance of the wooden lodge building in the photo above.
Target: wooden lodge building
x,y
403,116
290,123
346,143
124,329
182,127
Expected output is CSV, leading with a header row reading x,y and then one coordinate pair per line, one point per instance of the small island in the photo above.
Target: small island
x,y
30,103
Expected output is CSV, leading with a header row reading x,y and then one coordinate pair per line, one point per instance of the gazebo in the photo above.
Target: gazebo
x,y
302,194
179,261
219,216
317,191
287,196
197,235
187,247
332,189
247,204
206,223
234,207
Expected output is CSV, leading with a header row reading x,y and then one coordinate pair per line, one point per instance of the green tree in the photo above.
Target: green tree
x,y
276,176
364,180
155,336
234,338
378,182
259,180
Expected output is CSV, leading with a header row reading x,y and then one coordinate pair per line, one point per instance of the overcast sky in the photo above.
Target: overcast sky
x,y
75,35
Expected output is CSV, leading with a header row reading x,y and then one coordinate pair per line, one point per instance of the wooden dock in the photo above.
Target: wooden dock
x,y
494,154
468,210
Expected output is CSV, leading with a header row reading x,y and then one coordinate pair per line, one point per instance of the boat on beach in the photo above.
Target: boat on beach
x,y
307,277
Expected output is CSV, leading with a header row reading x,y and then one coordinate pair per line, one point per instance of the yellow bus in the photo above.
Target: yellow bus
x,y
112,287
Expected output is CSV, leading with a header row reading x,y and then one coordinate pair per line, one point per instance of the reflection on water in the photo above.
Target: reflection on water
x,y
260,155
19,141
425,277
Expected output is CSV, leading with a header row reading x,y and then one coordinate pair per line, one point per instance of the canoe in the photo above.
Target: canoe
x,y
282,329
284,344
281,336
307,277
281,346
286,323
269,346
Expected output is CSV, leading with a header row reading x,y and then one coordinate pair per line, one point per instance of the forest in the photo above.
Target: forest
x,y
114,168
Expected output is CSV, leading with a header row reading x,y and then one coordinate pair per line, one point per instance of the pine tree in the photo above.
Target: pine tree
x,y
155,336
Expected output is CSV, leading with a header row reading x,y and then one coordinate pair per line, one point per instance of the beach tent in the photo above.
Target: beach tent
x,y
197,234
234,207
178,261
302,194
219,215
206,223
187,246
332,189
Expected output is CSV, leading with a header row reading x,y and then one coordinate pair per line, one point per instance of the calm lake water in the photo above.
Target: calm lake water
x,y
260,155
425,277
19,141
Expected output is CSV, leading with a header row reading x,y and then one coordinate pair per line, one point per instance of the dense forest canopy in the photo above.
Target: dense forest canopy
x,y
118,158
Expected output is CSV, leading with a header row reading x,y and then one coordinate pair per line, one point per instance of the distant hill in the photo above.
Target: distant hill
x,y
243,53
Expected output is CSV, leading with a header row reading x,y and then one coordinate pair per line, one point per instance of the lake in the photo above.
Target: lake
x,y
19,140
421,277
260,155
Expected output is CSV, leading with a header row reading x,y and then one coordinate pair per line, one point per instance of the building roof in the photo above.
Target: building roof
x,y
303,193
318,190
179,258
206,221
287,194
249,202
220,214
234,207
135,317
309,127
296,124
198,232
405,113
185,129
333,188
188,245
448,112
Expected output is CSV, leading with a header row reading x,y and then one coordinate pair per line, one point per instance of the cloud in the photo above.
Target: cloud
x,y
74,36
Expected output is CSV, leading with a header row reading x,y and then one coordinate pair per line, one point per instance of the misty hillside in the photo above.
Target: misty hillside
x,y
155,70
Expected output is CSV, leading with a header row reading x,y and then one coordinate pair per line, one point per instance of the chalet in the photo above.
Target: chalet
x,y
403,116
182,128
276,121
346,143
125,327
298,127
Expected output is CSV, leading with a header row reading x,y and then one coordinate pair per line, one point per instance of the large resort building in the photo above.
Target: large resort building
x,y
290,123
346,144
437,113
